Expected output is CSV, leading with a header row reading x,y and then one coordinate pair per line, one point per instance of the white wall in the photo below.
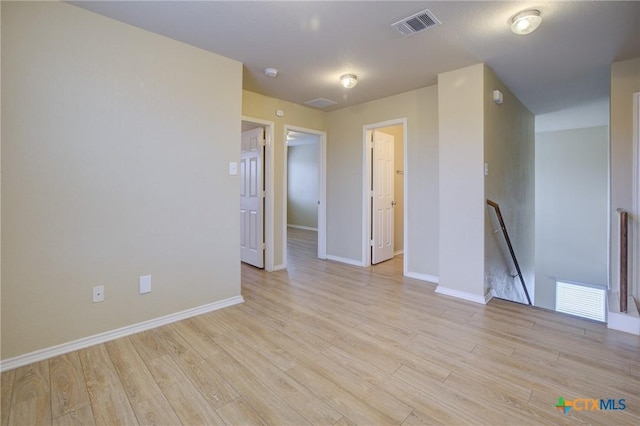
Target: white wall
x,y
115,152
344,176
625,80
302,185
571,209
462,202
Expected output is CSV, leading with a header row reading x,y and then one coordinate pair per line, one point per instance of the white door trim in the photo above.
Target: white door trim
x,y
269,186
366,195
322,190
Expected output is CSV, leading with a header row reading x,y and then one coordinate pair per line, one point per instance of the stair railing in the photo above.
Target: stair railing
x,y
623,258
508,240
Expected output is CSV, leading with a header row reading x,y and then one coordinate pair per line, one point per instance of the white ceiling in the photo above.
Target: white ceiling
x,y
565,63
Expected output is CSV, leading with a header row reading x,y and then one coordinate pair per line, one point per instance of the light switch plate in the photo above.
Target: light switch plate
x,y
145,284
233,168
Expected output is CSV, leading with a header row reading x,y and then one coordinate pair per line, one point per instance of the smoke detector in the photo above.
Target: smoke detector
x,y
271,72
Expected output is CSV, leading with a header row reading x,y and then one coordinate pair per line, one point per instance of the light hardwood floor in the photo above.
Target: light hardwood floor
x,y
327,343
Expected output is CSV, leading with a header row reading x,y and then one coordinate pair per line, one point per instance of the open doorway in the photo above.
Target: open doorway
x,y
305,187
384,191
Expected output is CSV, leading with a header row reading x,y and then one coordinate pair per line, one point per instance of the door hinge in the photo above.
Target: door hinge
x,y
371,243
263,142
264,194
264,246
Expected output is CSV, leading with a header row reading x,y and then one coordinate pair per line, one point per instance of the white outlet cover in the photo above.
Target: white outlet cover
x,y
98,294
145,284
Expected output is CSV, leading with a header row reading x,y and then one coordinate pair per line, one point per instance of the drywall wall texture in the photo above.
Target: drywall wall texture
x,y
398,185
302,185
509,152
263,107
462,201
571,209
625,80
345,152
115,151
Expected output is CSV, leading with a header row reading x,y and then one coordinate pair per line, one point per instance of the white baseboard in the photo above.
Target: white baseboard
x,y
623,322
278,267
85,342
483,300
628,322
308,228
423,277
344,260
395,253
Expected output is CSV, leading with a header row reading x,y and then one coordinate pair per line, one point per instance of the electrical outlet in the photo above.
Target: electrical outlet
x,y
145,284
98,294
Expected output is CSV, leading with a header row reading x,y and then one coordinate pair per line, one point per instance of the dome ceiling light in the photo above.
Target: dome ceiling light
x,y
526,22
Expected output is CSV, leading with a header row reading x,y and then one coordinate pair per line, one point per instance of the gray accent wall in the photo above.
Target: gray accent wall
x,y
571,209
302,185
509,152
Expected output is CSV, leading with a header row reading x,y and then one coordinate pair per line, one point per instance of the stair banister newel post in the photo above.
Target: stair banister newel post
x,y
623,256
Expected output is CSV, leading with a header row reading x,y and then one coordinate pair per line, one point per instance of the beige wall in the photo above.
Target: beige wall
x,y
115,152
462,203
625,80
509,151
398,184
571,209
263,107
345,171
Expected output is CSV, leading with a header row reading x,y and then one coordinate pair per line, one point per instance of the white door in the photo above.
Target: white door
x,y
382,194
252,197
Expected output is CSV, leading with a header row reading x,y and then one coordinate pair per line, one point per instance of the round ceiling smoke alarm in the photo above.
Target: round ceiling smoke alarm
x,y
270,72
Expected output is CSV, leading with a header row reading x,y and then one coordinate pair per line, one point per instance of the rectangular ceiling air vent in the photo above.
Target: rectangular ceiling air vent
x,y
320,102
416,23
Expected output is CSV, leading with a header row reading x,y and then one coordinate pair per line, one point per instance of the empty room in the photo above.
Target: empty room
x,y
320,212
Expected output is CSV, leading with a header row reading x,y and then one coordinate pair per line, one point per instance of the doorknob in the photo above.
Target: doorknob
x,y
393,203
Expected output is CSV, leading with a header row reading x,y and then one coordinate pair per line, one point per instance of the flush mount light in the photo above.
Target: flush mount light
x,y
349,81
526,22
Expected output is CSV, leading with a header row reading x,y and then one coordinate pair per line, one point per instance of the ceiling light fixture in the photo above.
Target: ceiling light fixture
x,y
526,22
349,81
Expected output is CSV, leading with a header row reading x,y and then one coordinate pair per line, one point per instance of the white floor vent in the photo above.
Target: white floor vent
x,y
581,300
416,23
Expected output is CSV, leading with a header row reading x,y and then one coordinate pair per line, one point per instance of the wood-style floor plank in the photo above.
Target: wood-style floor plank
x,y
332,344
109,401
77,417
68,388
6,385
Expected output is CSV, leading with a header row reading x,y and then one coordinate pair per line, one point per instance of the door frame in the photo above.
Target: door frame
x,y
322,189
269,186
366,193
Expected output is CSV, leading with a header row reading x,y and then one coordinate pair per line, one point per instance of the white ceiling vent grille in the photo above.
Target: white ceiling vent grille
x,y
416,23
320,102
